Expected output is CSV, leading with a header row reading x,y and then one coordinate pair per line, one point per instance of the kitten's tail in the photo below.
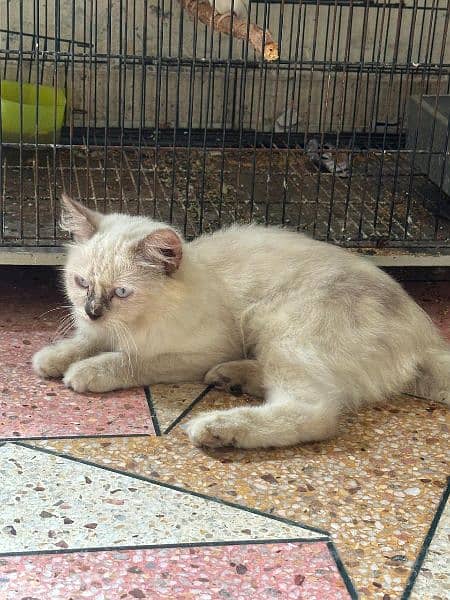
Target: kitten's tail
x,y
433,381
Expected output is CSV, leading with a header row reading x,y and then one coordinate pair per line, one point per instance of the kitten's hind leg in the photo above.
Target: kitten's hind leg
x,y
284,420
237,377
433,380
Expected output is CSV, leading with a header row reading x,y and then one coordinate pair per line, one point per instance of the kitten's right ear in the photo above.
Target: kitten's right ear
x,y
82,222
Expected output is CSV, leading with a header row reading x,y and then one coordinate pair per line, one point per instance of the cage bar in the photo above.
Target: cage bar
x,y
169,118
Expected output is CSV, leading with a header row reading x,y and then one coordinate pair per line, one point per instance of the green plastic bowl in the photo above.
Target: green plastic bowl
x,y
45,121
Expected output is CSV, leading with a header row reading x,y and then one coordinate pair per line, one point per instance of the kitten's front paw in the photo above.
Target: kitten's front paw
x,y
88,376
215,430
49,362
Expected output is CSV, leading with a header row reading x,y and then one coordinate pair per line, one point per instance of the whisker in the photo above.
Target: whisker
x,y
126,340
129,349
62,307
66,324
123,345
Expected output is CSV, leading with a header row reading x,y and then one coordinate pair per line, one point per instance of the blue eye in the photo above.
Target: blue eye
x,y
123,292
81,281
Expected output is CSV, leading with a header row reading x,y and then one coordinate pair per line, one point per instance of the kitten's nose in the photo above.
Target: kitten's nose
x,y
93,310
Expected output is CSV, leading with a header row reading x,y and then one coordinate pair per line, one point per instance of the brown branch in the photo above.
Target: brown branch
x,y
262,42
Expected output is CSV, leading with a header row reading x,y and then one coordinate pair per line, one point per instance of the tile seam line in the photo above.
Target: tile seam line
x,y
342,570
215,499
420,558
188,409
151,408
214,544
97,436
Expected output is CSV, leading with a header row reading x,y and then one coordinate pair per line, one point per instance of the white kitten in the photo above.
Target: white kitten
x,y
239,7
313,328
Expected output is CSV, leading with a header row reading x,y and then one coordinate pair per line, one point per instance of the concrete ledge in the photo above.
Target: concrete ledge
x,y
36,256
55,255
411,260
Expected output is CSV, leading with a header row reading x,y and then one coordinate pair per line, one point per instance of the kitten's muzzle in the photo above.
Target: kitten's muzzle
x,y
94,309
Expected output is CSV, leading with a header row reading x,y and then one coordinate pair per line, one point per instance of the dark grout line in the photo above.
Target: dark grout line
x,y
75,437
218,543
342,571
188,409
172,487
151,408
426,544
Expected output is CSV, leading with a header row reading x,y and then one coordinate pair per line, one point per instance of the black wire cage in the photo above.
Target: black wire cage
x,y
147,107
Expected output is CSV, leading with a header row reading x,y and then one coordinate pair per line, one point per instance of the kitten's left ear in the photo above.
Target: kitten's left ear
x,y
162,248
82,222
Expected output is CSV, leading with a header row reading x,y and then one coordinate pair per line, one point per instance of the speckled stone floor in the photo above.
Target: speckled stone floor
x,y
104,497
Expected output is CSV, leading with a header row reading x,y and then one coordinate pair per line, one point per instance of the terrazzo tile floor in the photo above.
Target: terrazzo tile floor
x,y
104,497
26,401
226,571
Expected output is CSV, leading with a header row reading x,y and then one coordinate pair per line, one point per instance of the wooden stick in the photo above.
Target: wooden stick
x,y
263,43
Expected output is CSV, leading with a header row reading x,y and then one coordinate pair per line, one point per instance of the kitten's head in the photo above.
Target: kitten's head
x,y
118,265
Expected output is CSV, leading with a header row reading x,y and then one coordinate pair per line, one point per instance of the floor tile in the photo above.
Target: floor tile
x,y
31,407
170,400
237,572
51,502
433,579
375,488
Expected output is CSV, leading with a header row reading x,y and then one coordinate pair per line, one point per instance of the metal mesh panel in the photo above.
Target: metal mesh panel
x,y
346,136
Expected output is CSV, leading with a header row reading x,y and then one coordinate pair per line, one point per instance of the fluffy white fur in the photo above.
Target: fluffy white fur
x,y
312,328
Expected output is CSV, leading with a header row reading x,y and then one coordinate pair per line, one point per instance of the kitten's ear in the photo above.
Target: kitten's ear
x,y
162,248
81,221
